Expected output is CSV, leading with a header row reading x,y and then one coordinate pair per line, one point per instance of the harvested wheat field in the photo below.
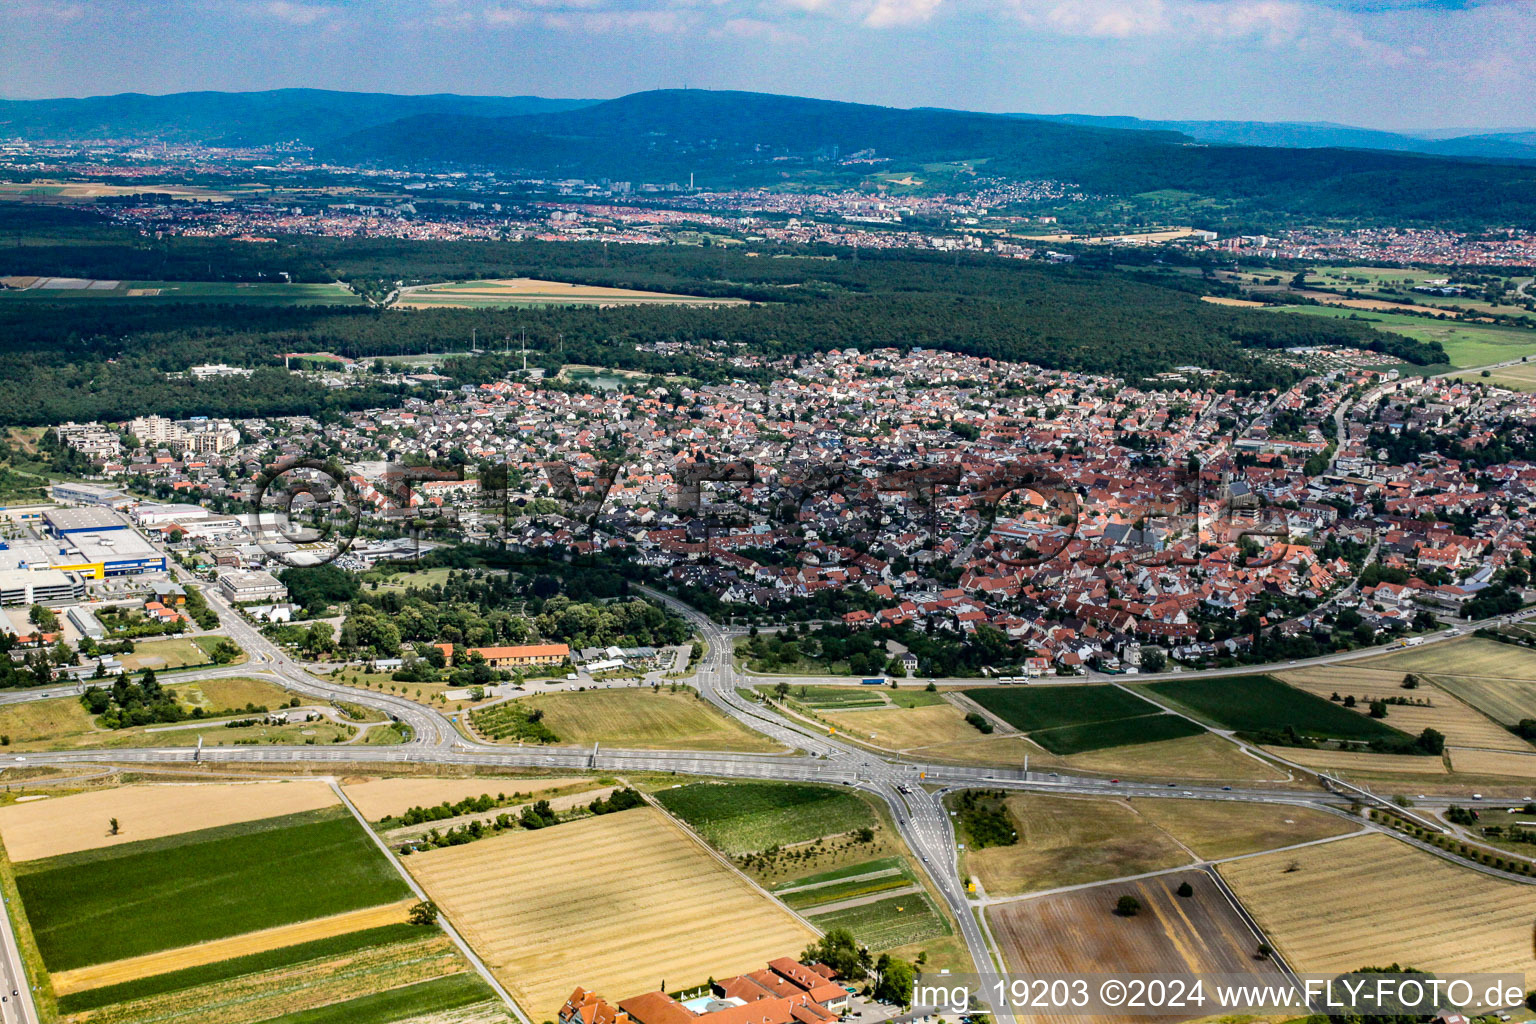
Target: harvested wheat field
x,y
523,291
1374,900
1189,758
378,798
1457,722
165,961
551,909
1493,762
1067,840
69,824
1361,761
1222,300
1079,933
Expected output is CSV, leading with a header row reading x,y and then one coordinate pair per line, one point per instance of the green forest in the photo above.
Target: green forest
x,y
109,360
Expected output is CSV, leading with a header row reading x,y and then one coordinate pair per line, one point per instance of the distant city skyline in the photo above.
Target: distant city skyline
x,y
1400,65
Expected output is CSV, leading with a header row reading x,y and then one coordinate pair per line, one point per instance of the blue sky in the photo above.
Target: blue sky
x,y
1381,63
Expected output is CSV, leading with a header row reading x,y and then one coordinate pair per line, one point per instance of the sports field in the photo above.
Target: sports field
x,y
644,719
1467,344
1257,703
199,886
1076,719
548,910
1079,933
525,291
61,289
1374,900
746,817
60,825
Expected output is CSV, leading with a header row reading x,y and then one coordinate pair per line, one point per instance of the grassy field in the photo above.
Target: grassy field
x,y
641,718
262,294
1079,933
1215,829
905,729
1374,900
174,652
63,724
1467,344
888,923
1071,840
1519,377
201,886
1077,719
523,291
614,903
1256,703
70,824
745,817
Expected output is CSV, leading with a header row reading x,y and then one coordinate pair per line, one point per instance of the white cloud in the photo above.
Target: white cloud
x,y
886,13
42,10
295,13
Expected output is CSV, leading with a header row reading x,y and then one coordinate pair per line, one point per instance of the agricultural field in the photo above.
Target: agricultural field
x,y
380,798
1067,840
200,886
206,906
1374,900
909,730
886,923
641,718
1497,679
1076,719
1258,703
748,817
1460,724
57,826
1358,761
1467,344
1078,932
523,291
66,289
1396,284
847,698
1186,759
546,910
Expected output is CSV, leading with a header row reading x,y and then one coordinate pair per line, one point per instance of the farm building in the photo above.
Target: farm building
x,y
786,992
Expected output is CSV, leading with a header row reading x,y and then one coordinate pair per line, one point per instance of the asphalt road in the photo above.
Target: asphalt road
x,y
912,790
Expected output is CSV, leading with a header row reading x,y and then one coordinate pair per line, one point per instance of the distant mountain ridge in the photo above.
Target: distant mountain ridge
x,y
1518,145
307,116
724,139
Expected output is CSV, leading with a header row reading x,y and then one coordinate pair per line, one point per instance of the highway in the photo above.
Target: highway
x,y
912,790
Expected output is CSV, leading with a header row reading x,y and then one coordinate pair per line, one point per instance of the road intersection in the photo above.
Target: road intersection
x,y
912,790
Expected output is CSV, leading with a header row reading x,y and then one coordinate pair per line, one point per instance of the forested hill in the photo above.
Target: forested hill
x,y
736,138
307,116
